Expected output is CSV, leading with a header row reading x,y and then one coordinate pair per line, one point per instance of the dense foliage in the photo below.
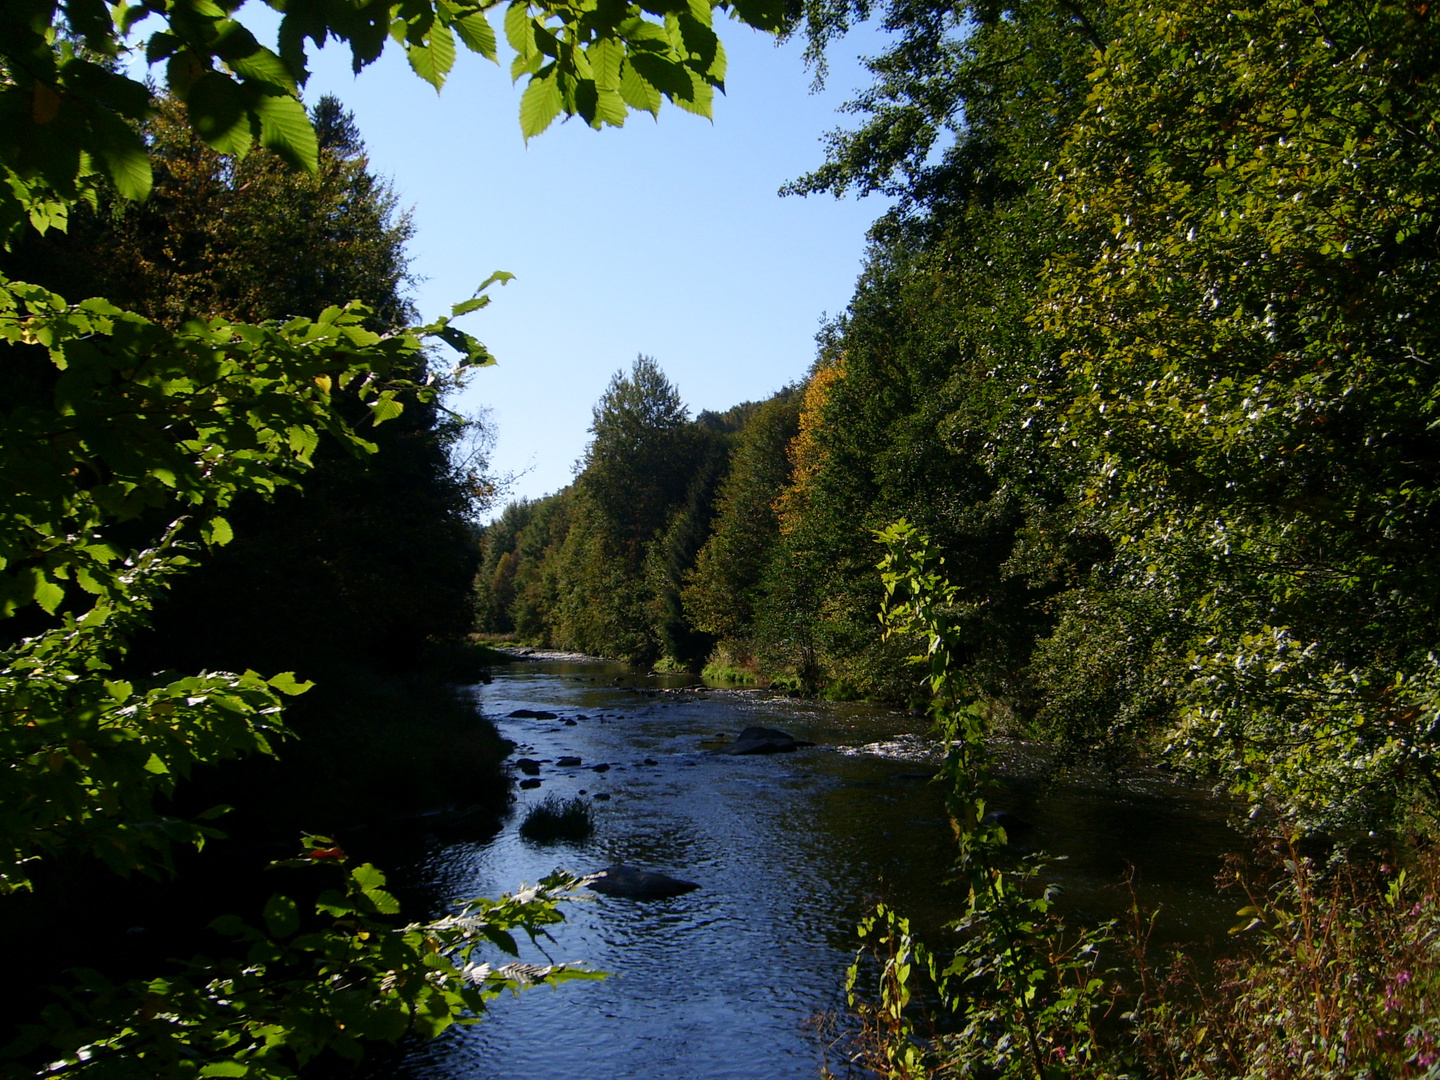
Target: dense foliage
x,y
601,566
1146,351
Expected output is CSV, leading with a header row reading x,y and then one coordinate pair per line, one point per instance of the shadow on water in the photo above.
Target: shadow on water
x,y
789,851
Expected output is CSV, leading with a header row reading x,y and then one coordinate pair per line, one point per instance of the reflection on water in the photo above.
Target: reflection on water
x,y
789,851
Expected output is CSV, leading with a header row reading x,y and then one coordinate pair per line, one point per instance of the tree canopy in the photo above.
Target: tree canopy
x,y
70,110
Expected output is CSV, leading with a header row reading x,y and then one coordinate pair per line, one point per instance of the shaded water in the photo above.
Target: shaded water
x,y
789,851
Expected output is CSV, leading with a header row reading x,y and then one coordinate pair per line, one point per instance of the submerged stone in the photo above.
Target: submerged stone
x,y
633,884
762,740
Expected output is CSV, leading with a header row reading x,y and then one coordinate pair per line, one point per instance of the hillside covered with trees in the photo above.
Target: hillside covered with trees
x,y
1144,350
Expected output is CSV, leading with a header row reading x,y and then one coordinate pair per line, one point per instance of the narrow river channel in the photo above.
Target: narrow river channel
x,y
789,850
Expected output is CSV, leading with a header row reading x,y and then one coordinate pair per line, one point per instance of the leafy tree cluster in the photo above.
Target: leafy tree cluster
x,y
602,566
172,372
1146,349
332,576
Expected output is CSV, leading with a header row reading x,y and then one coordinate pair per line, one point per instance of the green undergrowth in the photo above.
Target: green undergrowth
x,y
727,674
1332,972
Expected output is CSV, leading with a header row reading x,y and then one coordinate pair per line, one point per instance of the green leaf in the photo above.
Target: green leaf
x,y
304,441
285,128
217,531
127,162
368,876
477,34
637,92
385,408
226,1068
263,66
671,79
610,108
471,348
518,28
282,916
229,925
700,101
699,39
475,303
384,902
433,58
48,595
288,684
718,66
606,57
539,105
220,113
502,277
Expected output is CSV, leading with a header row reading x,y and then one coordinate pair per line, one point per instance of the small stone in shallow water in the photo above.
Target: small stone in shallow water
x,y
569,761
532,714
530,783
649,761
601,796
600,768
569,723
528,766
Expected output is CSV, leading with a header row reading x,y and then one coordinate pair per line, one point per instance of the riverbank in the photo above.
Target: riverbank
x,y
376,756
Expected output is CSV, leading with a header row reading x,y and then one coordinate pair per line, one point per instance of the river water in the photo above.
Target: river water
x,y
789,851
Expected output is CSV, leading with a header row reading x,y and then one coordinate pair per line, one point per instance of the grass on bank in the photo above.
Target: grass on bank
x,y
554,819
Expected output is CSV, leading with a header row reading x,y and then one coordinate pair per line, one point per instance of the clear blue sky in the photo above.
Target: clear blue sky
x,y
666,238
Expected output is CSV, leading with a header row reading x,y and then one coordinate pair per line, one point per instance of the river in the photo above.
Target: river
x,y
789,850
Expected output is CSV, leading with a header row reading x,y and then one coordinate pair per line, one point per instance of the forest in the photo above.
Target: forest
x,y
1128,443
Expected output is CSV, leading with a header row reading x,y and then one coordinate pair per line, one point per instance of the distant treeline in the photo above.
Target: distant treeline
x,y
663,548
1148,352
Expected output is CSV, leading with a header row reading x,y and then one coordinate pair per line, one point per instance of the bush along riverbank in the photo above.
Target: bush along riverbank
x,y
371,756
1334,973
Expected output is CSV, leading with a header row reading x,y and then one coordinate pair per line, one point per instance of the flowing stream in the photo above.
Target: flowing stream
x,y
789,851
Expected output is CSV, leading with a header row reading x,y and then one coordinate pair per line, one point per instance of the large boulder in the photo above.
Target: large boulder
x,y
762,740
633,884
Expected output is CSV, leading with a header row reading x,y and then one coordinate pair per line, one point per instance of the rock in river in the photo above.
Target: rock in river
x,y
531,714
762,740
633,884
1007,821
